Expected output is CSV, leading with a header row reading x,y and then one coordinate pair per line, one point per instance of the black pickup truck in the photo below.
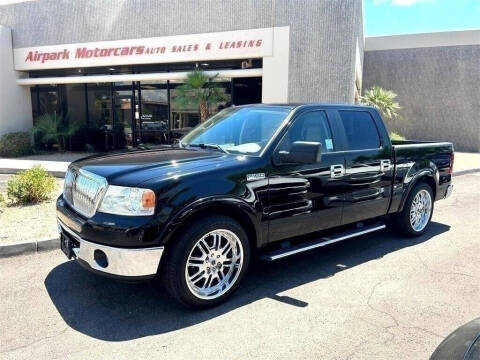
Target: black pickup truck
x,y
264,180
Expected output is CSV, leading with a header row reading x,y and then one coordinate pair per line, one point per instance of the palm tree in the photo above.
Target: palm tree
x,y
199,91
383,100
55,128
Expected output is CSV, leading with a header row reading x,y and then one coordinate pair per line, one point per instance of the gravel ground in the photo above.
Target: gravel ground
x,y
24,223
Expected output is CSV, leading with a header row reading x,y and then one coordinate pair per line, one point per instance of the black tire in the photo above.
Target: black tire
x,y
173,264
402,219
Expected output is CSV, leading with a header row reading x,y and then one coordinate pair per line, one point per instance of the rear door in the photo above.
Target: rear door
x,y
305,198
368,165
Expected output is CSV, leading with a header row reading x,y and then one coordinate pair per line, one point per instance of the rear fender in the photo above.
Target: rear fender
x,y
415,176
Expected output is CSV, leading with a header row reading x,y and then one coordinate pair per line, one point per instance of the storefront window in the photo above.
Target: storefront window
x,y
100,118
100,106
75,103
35,102
123,115
183,119
48,100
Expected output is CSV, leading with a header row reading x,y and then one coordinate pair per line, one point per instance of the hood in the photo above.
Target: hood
x,y
134,167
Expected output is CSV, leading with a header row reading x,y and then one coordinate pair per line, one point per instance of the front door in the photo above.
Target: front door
x,y
124,121
305,198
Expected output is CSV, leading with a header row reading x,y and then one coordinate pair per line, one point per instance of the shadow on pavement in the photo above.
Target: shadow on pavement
x,y
111,310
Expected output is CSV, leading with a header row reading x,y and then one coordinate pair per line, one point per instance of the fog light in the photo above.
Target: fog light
x,y
100,258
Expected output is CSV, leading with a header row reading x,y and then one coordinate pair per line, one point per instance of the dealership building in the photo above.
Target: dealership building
x,y
113,67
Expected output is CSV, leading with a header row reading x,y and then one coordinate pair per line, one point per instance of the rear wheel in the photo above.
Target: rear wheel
x,y
417,212
207,262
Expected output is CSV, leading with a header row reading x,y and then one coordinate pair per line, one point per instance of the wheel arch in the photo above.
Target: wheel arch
x,y
428,177
236,209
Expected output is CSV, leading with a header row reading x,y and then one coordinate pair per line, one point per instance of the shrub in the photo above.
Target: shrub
x,y
55,129
383,100
31,186
396,136
16,144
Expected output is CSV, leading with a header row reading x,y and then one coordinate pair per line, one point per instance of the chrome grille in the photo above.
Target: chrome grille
x,y
84,190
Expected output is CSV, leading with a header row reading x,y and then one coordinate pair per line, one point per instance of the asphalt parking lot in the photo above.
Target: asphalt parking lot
x,y
375,297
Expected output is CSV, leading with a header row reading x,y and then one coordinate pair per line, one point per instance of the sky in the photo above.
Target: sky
x,y
391,17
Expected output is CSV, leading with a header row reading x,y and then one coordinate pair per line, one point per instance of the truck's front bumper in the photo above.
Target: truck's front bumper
x,y
119,262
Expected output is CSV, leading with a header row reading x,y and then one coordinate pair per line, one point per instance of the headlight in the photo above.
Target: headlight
x,y
131,201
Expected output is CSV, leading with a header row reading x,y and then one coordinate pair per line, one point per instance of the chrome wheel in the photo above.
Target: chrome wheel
x,y
420,210
214,264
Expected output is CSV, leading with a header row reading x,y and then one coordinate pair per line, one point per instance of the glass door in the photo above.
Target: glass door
x,y
153,113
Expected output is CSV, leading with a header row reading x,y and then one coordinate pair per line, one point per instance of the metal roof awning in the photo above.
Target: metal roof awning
x,y
222,74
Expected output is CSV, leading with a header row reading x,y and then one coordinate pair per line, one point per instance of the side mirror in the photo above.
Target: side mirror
x,y
301,152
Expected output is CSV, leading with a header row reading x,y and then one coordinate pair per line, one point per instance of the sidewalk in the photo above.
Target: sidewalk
x,y
465,163
57,164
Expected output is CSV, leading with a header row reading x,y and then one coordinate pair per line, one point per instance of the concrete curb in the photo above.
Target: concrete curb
x,y
14,249
464,172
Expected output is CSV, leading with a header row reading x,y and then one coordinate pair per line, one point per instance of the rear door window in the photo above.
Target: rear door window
x,y
360,130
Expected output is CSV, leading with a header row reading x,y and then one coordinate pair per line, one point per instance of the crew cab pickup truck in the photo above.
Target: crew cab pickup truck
x,y
258,180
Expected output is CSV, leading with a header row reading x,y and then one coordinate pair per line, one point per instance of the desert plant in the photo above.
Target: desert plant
x,y
31,186
396,136
16,144
199,91
55,128
383,100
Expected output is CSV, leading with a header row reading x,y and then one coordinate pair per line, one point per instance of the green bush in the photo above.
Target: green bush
x,y
31,186
396,136
16,144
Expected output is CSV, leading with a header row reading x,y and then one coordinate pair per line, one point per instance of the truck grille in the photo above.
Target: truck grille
x,y
83,191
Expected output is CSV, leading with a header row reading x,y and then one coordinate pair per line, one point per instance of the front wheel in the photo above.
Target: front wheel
x,y
206,262
417,212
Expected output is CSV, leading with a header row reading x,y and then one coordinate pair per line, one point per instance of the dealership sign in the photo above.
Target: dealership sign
x,y
240,44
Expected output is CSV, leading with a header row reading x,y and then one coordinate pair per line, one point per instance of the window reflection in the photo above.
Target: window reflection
x,y
182,120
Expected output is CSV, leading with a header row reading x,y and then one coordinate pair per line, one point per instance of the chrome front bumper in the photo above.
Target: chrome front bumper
x,y
115,261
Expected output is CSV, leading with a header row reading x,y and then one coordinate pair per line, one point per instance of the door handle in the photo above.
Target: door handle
x,y
385,165
337,171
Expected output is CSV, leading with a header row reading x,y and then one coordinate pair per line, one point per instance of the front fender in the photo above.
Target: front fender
x,y
235,207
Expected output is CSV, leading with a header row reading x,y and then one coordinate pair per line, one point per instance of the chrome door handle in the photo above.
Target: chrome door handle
x,y
337,171
385,165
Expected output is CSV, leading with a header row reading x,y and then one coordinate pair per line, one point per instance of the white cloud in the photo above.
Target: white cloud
x,y
400,2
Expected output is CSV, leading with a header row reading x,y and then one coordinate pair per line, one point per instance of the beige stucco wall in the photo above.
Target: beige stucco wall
x,y
15,100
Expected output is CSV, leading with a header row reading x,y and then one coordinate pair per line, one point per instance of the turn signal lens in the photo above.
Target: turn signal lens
x,y
148,199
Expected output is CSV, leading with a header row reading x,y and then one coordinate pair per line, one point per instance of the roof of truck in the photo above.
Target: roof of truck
x,y
326,105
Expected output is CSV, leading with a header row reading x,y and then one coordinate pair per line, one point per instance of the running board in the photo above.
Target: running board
x,y
314,244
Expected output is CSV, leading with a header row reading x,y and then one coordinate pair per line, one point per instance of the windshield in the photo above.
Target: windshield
x,y
244,130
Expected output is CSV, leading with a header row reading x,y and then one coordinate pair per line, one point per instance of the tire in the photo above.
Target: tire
x,y
403,221
217,265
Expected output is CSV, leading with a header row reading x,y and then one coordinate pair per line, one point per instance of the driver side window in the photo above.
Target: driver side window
x,y
311,126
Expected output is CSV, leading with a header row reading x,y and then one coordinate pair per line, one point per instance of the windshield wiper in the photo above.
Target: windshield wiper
x,y
209,146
